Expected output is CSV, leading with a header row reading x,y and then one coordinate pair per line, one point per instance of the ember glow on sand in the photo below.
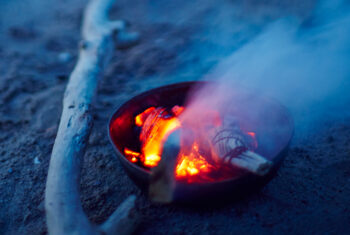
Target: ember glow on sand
x,y
195,161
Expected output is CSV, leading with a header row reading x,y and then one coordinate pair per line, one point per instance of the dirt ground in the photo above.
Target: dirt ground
x,y
181,40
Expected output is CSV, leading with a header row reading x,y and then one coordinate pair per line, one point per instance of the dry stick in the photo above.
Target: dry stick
x,y
64,212
252,162
163,183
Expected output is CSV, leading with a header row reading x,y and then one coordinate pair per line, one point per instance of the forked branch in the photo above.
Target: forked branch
x,y
64,210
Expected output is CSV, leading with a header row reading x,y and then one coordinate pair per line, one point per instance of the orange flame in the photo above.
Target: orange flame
x,y
253,137
157,124
192,164
131,153
133,156
140,119
156,128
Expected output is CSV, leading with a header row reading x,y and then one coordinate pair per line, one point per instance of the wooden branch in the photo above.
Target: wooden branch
x,y
64,211
124,220
163,183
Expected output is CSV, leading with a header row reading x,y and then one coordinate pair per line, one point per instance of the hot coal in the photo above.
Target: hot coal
x,y
206,145
199,174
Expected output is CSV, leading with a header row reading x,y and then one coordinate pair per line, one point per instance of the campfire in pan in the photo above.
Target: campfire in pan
x,y
210,150
215,154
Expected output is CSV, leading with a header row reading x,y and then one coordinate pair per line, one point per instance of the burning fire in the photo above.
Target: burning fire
x,y
193,164
157,124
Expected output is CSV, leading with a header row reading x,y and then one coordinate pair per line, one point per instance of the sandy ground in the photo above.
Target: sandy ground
x,y
180,42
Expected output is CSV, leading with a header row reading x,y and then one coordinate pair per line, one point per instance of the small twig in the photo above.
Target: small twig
x,y
64,211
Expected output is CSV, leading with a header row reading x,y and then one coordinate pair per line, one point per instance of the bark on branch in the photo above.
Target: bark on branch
x,y
64,211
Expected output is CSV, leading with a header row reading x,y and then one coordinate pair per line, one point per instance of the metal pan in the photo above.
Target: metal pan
x,y
273,127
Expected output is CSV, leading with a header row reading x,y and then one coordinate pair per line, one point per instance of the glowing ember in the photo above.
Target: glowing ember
x,y
133,156
155,130
140,119
192,164
158,123
253,135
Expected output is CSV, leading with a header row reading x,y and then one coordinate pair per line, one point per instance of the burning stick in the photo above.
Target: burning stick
x,y
64,212
224,141
162,183
157,124
231,146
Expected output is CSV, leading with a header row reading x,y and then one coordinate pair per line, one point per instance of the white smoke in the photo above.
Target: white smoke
x,y
307,68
